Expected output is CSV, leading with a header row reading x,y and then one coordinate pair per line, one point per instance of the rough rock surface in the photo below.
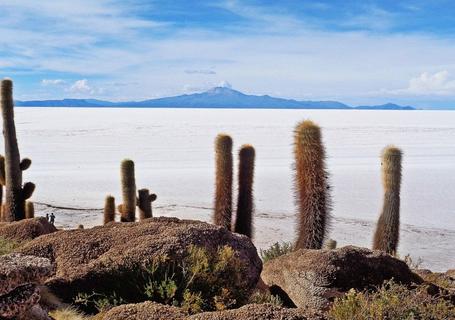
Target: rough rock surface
x,y
313,278
102,258
25,230
154,311
19,276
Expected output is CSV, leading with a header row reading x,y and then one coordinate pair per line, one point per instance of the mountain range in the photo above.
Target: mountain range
x,y
218,97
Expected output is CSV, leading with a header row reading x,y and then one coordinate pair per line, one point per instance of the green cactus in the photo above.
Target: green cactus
x,y
144,203
311,186
29,210
15,194
387,232
109,209
223,186
128,207
245,205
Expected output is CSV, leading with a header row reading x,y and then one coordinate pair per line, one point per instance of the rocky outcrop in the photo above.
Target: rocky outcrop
x,y
109,258
25,230
153,311
19,277
313,278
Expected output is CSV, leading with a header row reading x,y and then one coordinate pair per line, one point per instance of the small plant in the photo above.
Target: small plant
x,y
391,301
101,302
277,249
265,297
223,185
7,246
67,313
200,281
413,264
245,205
387,232
311,186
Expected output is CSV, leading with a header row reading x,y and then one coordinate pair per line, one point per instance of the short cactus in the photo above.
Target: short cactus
x,y
387,232
311,186
109,209
144,203
223,192
15,193
330,244
245,205
128,207
29,210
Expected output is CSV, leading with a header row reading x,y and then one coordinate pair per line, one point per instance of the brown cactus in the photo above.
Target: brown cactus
x,y
387,232
15,194
128,208
311,186
29,210
109,209
144,203
223,192
245,205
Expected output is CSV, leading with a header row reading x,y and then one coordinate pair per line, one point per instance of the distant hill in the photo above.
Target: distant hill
x,y
218,97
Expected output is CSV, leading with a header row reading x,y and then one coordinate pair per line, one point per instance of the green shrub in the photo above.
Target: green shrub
x,y
391,301
277,249
7,246
201,281
259,297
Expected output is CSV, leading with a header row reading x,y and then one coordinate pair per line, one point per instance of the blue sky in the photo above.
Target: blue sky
x,y
358,52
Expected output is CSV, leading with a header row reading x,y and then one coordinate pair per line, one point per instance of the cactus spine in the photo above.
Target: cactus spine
x,y
144,203
15,193
387,232
109,209
223,188
311,186
29,210
245,205
128,207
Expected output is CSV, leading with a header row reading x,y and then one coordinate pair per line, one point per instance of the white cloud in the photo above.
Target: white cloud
x,y
428,84
50,82
81,87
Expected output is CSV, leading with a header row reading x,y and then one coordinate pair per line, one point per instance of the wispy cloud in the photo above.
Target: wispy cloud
x,y
427,84
52,82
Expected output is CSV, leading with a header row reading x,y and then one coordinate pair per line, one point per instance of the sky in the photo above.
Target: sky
x,y
357,52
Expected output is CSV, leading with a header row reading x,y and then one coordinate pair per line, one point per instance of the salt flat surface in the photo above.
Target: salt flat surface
x,y
76,155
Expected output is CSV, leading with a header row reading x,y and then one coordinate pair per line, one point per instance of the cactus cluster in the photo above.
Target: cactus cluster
x,y
130,198
223,186
16,193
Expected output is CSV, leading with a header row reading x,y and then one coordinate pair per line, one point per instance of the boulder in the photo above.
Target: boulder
x,y
144,311
26,229
111,257
19,277
313,278
153,311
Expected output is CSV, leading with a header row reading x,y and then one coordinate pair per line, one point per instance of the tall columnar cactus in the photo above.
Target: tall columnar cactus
x,y
144,203
223,192
29,210
387,232
128,207
15,193
311,186
109,209
2,183
245,205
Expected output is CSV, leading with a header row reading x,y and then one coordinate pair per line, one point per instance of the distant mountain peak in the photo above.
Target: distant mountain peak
x,y
221,96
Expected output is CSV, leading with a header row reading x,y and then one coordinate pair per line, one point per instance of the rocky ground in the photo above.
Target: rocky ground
x,y
191,270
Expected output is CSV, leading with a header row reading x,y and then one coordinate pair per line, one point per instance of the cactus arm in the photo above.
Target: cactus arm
x,y
25,164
